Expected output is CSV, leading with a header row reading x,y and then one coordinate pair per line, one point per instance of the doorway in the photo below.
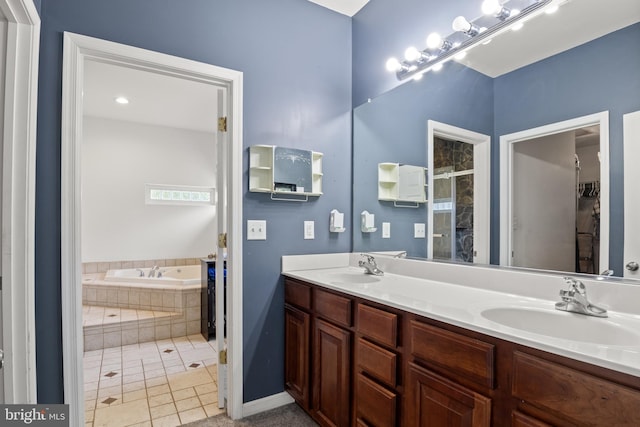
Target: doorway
x,y
453,200
458,212
554,196
77,51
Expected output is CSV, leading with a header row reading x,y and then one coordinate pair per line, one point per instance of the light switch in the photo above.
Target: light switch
x,y
309,230
256,230
386,230
419,230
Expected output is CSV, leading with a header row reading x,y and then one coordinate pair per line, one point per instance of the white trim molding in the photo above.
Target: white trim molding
x,y
78,49
481,185
267,403
18,199
506,178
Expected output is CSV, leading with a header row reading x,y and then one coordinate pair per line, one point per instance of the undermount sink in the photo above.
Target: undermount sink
x,y
563,325
353,278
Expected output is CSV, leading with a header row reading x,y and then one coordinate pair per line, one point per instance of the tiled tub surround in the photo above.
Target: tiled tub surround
x,y
104,266
120,313
458,293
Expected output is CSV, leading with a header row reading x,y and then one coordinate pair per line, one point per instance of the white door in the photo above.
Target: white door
x,y
631,123
221,213
544,203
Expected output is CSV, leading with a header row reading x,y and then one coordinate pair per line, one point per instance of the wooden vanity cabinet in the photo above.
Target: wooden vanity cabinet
x,y
297,329
442,367
353,362
377,363
318,352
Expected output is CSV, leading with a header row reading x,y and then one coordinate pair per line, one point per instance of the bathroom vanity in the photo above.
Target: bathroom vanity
x,y
401,350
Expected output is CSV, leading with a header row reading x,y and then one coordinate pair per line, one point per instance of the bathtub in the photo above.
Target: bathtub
x,y
176,276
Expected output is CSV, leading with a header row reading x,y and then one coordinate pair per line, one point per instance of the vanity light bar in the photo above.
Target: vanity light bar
x,y
428,59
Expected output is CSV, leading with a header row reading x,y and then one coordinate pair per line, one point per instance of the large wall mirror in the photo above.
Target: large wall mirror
x,y
564,82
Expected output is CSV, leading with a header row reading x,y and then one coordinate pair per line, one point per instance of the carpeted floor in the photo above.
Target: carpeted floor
x,y
286,416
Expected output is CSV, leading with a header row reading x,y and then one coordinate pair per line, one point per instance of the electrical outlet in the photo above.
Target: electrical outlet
x,y
419,230
386,230
309,233
256,230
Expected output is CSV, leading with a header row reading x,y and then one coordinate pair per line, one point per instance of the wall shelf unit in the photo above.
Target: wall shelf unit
x,y
401,183
285,173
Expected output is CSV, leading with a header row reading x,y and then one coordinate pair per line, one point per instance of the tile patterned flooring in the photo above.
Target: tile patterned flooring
x,y
163,383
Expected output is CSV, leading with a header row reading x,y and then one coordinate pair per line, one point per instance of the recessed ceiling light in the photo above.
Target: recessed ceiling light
x,y
122,100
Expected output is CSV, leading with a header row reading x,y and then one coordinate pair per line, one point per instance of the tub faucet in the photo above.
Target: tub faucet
x,y
370,266
152,272
574,299
140,271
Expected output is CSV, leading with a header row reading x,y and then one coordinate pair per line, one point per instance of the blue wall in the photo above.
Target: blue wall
x,y
393,128
383,29
602,75
297,93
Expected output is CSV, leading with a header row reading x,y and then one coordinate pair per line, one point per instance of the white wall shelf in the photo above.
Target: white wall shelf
x,y
401,183
268,175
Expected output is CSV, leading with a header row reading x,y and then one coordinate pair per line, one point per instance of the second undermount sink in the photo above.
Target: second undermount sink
x,y
563,325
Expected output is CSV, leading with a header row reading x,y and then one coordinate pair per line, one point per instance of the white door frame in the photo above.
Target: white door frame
x,y
631,150
481,185
506,178
77,48
18,200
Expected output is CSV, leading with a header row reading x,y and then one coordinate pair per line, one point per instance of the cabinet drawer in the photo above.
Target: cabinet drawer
x,y
572,395
333,307
377,361
375,404
464,357
378,324
297,294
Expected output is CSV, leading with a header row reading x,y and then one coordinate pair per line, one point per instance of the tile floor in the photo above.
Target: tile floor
x,y
163,383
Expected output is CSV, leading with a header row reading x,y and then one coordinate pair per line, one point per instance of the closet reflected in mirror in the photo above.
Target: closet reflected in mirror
x,y
554,196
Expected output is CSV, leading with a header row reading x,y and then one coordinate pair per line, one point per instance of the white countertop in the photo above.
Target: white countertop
x,y
462,305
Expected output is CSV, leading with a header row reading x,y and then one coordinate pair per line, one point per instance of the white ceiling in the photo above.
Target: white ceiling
x,y
575,23
346,7
154,98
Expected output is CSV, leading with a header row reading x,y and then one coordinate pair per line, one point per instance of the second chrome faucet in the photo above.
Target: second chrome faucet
x,y
574,299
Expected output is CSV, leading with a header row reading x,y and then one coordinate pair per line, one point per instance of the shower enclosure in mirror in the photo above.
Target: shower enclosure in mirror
x,y
452,200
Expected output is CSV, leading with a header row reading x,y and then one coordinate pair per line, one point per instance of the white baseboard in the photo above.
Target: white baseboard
x,y
266,403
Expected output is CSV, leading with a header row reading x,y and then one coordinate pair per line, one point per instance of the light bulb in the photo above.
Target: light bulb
x,y
122,100
434,41
461,24
412,54
417,77
437,67
393,65
491,7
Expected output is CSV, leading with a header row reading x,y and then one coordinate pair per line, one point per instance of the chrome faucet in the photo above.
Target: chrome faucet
x,y
140,271
152,272
370,266
574,299
402,254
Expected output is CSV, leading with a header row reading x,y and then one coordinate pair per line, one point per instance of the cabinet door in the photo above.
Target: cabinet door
x,y
432,400
297,324
331,374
